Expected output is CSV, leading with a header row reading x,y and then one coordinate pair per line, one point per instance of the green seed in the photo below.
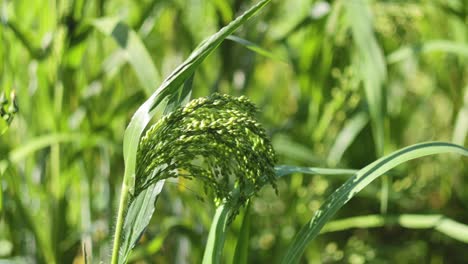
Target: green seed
x,y
219,130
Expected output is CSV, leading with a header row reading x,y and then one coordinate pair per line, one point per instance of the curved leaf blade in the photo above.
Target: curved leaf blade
x,y
138,217
371,64
48,140
447,46
355,184
242,247
283,170
215,243
346,137
440,223
461,124
255,48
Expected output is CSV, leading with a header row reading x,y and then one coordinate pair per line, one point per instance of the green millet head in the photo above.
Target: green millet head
x,y
215,139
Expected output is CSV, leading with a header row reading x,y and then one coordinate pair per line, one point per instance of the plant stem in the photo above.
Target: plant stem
x,y
215,243
119,224
216,237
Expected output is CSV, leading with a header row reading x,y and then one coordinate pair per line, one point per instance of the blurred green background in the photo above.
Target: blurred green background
x,y
343,83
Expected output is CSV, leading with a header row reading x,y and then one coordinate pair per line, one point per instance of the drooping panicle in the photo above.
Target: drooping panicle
x,y
215,139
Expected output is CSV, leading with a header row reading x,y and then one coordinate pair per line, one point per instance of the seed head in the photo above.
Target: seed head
x,y
215,139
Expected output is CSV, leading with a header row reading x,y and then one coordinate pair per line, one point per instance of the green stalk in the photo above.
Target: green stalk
x,y
216,237
215,243
119,224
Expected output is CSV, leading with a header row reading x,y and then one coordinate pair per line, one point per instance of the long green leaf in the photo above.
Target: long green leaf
x,y
137,218
346,137
285,146
255,48
371,63
355,184
50,139
242,246
216,236
443,224
283,170
134,50
447,46
144,114
461,124
169,226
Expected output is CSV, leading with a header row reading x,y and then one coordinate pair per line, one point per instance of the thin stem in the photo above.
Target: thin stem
x,y
215,244
216,237
119,225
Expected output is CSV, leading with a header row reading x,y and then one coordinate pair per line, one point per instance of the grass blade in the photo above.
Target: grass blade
x,y
134,50
461,124
50,139
440,223
371,64
355,184
255,48
285,146
283,170
447,46
346,136
242,246
216,237
138,216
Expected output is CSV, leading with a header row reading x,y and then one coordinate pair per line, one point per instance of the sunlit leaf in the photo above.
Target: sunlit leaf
x,y
346,136
446,46
255,48
440,223
371,64
283,170
242,246
134,50
355,184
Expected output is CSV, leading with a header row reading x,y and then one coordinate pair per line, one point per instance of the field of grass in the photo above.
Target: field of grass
x,y
128,132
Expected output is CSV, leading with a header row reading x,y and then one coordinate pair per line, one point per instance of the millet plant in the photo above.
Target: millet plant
x,y
217,141
333,86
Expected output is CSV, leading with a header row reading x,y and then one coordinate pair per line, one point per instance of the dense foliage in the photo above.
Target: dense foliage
x,y
337,84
